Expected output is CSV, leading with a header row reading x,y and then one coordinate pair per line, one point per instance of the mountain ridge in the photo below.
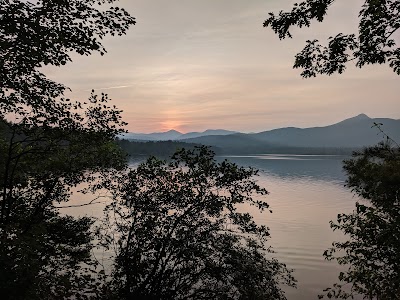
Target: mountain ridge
x,y
354,132
174,135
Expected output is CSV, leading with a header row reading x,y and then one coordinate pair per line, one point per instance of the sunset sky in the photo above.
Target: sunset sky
x,y
192,65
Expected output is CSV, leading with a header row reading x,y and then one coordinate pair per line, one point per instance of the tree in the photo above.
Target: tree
x,y
49,144
41,248
182,235
38,33
371,253
373,44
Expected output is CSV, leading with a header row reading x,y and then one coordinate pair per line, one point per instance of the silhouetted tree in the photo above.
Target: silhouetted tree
x,y
49,144
181,234
38,33
374,43
372,254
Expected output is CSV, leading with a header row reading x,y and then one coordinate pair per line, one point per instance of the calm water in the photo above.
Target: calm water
x,y
306,192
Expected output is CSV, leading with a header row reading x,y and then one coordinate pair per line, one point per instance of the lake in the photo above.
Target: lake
x,y
306,192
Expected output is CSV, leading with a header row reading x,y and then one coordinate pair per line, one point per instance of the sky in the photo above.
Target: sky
x,y
192,65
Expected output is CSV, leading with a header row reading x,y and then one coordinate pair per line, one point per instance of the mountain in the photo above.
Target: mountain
x,y
174,135
208,132
354,132
156,136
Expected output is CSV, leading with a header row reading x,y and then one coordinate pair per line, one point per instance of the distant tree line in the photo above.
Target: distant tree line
x,y
167,148
162,149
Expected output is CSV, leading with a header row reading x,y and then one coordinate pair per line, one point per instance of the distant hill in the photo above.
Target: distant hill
x,y
236,143
173,135
351,133
208,132
157,136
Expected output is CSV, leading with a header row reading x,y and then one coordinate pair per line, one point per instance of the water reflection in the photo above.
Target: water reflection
x,y
318,167
306,192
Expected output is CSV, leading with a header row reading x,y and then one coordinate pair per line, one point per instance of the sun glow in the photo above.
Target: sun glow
x,y
171,124
172,119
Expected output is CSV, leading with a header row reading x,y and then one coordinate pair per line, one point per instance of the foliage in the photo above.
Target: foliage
x,y
372,253
38,33
182,235
50,144
47,259
40,248
374,43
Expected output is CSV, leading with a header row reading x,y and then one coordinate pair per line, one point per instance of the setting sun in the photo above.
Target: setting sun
x,y
171,124
171,119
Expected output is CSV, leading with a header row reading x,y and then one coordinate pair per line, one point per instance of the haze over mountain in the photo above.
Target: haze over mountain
x,y
172,135
156,136
355,132
351,133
